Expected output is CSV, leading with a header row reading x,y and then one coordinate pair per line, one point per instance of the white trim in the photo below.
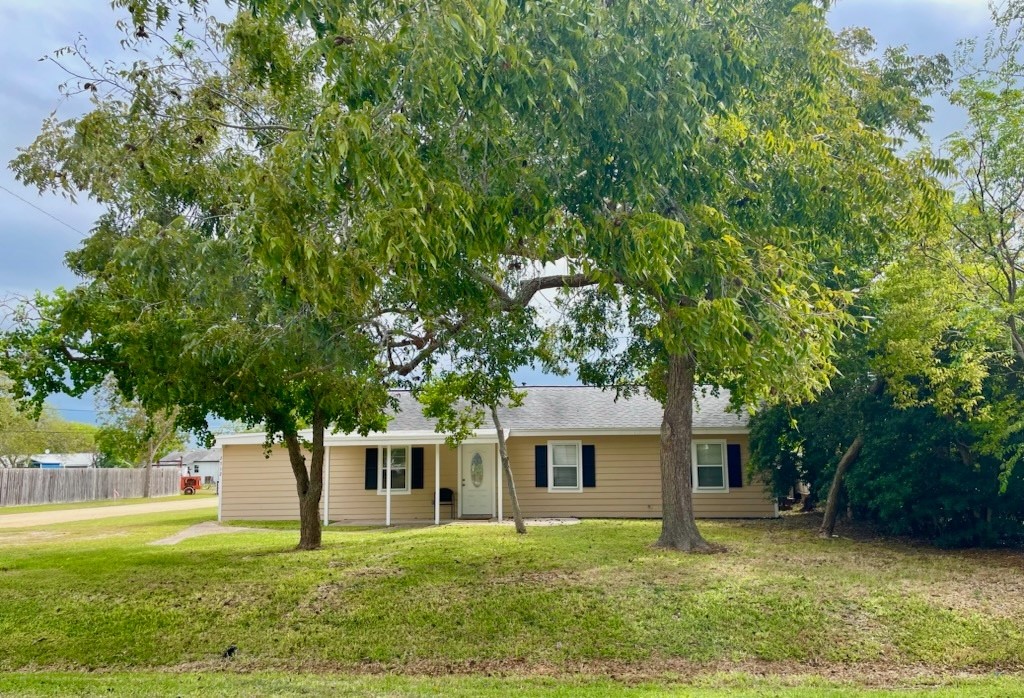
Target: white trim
x,y
653,431
384,463
579,466
497,476
220,493
458,477
371,439
725,465
480,436
437,484
387,491
327,484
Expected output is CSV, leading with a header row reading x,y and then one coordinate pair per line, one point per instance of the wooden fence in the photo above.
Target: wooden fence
x,y
19,486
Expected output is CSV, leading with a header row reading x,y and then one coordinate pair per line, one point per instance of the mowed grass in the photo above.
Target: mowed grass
x,y
593,600
207,685
32,508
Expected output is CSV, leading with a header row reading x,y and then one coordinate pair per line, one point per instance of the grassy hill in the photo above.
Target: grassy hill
x,y
564,608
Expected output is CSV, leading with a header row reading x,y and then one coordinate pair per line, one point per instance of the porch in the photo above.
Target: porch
x,y
401,480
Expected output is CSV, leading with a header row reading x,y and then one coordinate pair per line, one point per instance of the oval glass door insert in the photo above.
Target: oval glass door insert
x,y
476,469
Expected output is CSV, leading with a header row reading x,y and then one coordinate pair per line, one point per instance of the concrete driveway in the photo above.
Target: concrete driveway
x,y
45,518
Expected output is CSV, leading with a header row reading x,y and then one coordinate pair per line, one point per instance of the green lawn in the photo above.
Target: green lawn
x,y
737,685
28,509
546,614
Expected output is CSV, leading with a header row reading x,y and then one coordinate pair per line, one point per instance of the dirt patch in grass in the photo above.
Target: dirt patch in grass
x,y
863,674
541,577
373,572
25,537
327,595
997,592
33,537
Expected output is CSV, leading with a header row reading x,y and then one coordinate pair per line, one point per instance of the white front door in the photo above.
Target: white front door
x,y
477,490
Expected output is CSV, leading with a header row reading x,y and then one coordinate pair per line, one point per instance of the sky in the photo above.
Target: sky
x,y
37,230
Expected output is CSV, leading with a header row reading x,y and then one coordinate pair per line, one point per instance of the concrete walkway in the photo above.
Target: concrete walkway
x,y
45,518
207,528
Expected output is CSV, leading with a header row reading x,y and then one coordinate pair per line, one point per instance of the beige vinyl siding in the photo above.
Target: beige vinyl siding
x,y
256,487
350,501
628,478
627,473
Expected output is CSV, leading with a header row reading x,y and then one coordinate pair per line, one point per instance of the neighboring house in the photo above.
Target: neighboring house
x,y
51,461
202,462
574,452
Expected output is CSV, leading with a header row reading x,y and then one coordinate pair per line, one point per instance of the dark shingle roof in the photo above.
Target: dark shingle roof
x,y
569,408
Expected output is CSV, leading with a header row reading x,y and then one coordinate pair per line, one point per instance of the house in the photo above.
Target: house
x,y
202,462
574,452
51,461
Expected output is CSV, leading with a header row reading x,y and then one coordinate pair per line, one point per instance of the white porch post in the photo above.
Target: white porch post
x,y
327,485
385,456
497,472
437,484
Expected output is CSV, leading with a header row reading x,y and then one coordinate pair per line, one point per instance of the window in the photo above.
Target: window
x,y
565,465
397,458
709,466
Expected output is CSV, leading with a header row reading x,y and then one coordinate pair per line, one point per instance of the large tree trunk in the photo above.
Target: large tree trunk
x,y
678,527
517,514
828,524
309,484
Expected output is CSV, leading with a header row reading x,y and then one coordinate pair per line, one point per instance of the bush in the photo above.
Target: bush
x,y
919,473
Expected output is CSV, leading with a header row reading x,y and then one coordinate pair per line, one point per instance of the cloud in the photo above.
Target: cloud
x,y
927,26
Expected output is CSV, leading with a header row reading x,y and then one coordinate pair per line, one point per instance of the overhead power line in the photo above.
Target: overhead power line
x,y
42,211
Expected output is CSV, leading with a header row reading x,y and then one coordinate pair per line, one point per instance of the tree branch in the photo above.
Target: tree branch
x,y
532,287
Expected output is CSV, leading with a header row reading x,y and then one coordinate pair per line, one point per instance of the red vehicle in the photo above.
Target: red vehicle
x,y
190,484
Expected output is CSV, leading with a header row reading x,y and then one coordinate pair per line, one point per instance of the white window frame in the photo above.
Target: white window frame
x,y
385,458
551,466
725,465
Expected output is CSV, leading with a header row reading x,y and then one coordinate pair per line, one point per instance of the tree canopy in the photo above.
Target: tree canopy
x,y
23,435
312,201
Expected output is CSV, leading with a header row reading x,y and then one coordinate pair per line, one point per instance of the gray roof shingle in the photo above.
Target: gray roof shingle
x,y
573,408
201,455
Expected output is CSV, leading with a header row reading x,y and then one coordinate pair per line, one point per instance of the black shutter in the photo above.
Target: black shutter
x,y
417,468
540,466
589,466
370,478
735,466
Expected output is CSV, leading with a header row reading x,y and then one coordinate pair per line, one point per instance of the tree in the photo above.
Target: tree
x,y
193,297
685,160
133,436
232,275
236,352
23,434
919,470
705,168
731,247
988,159
944,340
476,380
927,379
